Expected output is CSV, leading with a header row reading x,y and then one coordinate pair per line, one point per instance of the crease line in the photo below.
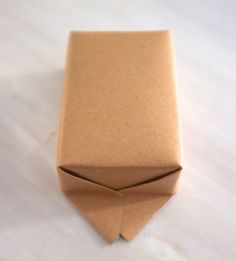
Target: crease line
x,y
77,175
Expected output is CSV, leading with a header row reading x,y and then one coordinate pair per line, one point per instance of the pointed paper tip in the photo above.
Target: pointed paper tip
x,y
103,214
138,212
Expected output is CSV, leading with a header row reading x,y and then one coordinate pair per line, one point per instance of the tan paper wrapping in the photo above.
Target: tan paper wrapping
x,y
119,150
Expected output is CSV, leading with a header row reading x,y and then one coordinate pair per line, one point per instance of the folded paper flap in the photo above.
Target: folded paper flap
x,y
123,212
104,215
137,212
164,185
102,209
101,206
73,183
119,177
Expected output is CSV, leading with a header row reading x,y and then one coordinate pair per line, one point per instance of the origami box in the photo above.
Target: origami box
x,y
119,147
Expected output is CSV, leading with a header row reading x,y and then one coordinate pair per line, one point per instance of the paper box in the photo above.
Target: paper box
x,y
119,150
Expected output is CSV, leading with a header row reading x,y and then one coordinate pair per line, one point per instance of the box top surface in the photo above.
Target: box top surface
x,y
119,101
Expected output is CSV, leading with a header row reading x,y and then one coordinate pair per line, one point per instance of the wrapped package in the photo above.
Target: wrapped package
x,y
119,148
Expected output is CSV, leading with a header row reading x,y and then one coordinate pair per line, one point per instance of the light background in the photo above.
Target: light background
x,y
36,221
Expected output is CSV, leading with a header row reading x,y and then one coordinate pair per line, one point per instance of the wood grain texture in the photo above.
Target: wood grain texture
x,y
36,221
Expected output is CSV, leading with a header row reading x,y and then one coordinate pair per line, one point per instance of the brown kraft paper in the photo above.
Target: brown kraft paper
x,y
119,150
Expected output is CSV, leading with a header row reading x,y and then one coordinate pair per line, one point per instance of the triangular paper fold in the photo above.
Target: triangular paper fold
x,y
137,211
101,206
118,212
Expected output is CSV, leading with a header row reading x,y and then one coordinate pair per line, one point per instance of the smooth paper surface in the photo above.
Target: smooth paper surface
x,y
119,150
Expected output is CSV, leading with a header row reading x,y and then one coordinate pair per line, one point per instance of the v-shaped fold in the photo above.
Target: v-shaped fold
x,y
123,212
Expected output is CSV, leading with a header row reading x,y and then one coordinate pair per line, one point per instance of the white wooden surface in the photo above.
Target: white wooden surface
x,y
36,221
